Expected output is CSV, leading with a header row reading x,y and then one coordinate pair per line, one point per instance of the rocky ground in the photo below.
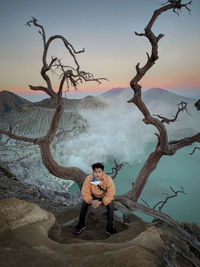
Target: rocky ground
x,y
10,186
23,158
35,231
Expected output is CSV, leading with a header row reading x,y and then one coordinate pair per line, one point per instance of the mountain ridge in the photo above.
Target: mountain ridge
x,y
153,92
150,95
9,101
87,102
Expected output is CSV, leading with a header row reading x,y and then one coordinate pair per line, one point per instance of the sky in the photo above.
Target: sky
x,y
106,30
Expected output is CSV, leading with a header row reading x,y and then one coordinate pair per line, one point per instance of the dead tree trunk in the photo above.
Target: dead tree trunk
x,y
164,147
141,180
73,76
67,173
69,75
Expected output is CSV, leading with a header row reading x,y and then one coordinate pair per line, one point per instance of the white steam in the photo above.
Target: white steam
x,y
119,131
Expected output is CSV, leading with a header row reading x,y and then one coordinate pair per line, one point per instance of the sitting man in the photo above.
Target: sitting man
x,y
98,189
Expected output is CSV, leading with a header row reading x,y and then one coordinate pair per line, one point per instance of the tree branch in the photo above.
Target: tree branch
x,y
117,168
141,180
131,205
34,21
163,147
197,104
51,93
163,202
71,173
74,75
141,71
181,107
145,202
176,145
67,75
16,137
196,148
67,173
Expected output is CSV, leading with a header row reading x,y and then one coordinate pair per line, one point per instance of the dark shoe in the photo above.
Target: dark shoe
x,y
110,230
79,229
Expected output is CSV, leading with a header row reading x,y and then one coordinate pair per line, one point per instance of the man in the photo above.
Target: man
x,y
98,189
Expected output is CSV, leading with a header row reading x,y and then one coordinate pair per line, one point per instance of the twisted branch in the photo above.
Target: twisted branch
x,y
163,147
117,168
141,71
163,202
16,137
72,76
178,144
196,148
181,107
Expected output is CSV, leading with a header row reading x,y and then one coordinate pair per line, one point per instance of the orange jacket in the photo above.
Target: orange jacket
x,y
89,189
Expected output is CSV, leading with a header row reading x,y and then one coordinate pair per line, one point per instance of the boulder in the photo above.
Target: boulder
x,y
15,213
25,241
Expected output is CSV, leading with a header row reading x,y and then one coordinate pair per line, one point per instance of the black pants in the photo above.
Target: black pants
x,y
110,213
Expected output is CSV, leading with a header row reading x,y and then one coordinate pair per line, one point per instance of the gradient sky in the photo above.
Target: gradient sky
x,y
106,30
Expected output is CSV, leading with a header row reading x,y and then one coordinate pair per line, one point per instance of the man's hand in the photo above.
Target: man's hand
x,y
96,203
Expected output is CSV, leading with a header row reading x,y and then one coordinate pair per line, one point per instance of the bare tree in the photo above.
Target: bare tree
x,y
117,168
69,75
162,203
164,146
73,76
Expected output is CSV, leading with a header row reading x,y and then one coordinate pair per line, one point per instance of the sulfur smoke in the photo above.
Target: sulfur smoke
x,y
118,131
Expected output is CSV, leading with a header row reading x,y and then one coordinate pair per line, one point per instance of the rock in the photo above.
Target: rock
x,y
17,213
11,187
25,241
149,237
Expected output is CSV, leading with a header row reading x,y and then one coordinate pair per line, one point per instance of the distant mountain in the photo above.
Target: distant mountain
x,y
24,159
34,121
116,95
9,101
158,94
114,92
151,95
88,102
